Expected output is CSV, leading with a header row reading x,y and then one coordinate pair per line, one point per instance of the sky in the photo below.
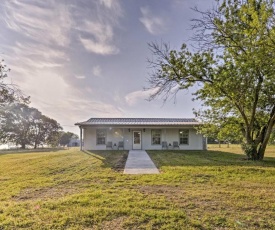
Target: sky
x,y
79,59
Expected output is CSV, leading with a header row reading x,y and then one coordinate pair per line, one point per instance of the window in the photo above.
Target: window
x,y
101,136
184,136
156,136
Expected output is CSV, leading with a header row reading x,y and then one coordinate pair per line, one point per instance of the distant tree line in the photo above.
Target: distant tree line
x,y
23,125
219,133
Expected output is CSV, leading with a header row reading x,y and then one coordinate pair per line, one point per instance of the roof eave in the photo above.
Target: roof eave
x,y
94,125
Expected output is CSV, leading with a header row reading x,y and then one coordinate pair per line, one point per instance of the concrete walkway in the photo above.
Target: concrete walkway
x,y
138,162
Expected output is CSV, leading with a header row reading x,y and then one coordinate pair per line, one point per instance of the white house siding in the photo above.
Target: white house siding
x,y
169,134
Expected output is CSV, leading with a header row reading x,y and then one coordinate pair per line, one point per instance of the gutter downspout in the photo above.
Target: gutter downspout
x,y
81,142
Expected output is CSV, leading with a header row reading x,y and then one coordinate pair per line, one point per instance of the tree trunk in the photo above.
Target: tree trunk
x,y
264,142
250,149
23,145
254,153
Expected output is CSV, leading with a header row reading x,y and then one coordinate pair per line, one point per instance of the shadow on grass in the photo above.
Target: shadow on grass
x,y
26,151
205,158
114,159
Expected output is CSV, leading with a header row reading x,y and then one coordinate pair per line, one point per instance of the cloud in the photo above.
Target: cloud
x,y
48,22
80,77
28,60
97,29
153,24
97,71
39,51
75,109
99,37
114,8
98,47
138,96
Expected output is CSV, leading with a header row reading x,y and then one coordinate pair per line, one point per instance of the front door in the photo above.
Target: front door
x,y
136,139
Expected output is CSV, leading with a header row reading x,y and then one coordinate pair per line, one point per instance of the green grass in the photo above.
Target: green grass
x,y
70,189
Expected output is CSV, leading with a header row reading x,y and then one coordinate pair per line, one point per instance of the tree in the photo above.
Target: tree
x,y
66,137
24,126
272,138
233,65
45,130
9,92
54,139
222,130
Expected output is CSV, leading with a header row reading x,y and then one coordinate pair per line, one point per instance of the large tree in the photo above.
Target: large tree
x,y
233,65
26,126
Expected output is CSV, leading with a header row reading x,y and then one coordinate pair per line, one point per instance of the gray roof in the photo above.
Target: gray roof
x,y
139,121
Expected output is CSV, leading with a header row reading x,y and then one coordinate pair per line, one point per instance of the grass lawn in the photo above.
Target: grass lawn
x,y
70,189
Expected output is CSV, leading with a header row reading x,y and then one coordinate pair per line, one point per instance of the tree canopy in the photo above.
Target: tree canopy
x,y
66,137
26,126
233,65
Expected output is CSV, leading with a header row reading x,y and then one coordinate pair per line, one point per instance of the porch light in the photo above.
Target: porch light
x,y
129,130
143,130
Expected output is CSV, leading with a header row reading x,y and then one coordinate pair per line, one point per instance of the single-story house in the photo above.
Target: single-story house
x,y
140,133
74,142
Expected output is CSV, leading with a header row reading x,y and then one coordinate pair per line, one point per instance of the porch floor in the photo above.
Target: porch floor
x,y
138,162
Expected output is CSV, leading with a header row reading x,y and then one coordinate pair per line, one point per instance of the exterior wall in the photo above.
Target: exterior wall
x,y
126,134
74,143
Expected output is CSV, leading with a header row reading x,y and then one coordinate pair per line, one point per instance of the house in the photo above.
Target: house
x,y
74,142
140,133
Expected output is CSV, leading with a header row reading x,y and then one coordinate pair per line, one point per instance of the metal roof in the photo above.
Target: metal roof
x,y
139,121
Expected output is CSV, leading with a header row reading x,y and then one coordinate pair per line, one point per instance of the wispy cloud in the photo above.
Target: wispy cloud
x,y
114,10
43,29
97,32
48,22
98,47
138,96
100,36
39,50
153,24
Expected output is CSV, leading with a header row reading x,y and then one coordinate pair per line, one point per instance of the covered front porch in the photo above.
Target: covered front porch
x,y
142,137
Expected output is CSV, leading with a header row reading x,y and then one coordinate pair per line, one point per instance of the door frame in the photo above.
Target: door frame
x,y
139,131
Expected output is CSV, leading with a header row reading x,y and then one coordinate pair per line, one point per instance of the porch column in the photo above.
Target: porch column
x,y
81,147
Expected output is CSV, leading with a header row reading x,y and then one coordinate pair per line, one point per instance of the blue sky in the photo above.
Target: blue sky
x,y
88,58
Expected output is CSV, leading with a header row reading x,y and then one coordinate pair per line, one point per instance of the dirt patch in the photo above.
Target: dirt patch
x,y
116,223
47,192
181,197
120,164
167,191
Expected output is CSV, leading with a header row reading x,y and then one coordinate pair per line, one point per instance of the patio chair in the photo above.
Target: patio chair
x,y
176,145
109,145
120,145
164,145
